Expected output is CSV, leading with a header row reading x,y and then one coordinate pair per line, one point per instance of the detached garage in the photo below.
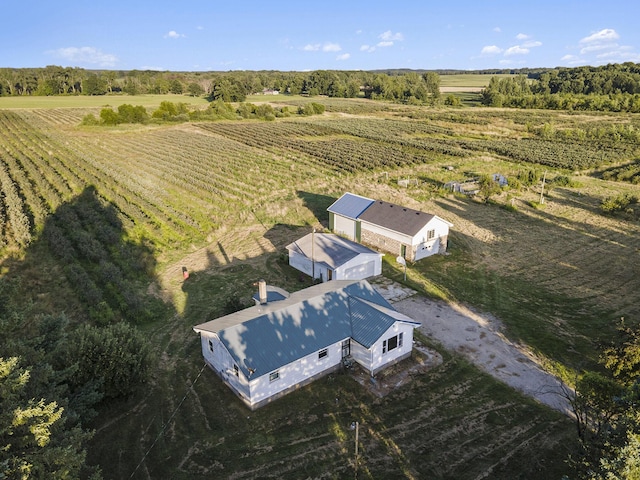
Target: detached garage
x,y
330,257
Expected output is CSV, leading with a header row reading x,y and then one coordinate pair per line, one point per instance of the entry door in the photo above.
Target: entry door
x,y
346,348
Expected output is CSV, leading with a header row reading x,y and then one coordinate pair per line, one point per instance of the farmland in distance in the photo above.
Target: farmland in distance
x,y
224,198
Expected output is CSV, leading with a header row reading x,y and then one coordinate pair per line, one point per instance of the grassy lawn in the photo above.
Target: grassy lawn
x,y
223,199
84,101
469,79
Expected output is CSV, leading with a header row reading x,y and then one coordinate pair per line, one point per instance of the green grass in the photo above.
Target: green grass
x,y
469,80
226,204
84,101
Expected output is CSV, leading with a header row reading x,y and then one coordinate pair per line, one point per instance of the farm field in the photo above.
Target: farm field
x,y
223,199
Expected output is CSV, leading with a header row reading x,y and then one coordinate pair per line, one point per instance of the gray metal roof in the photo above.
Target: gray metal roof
x,y
350,205
263,338
395,217
330,249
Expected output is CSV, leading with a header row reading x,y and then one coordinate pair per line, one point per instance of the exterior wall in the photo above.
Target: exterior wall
x,y
347,271
417,247
385,240
304,264
344,226
222,363
425,248
355,269
382,360
294,376
361,355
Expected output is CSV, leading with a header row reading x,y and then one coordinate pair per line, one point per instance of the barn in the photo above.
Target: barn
x,y
330,257
387,227
268,350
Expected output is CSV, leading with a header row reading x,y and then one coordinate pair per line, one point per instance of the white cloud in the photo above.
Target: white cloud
x,y
531,44
516,50
367,48
603,36
384,44
522,36
497,29
344,56
173,34
389,36
326,47
331,47
491,50
604,45
85,55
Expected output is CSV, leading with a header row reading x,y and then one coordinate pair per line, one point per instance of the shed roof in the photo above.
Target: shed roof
x,y
350,205
329,249
395,217
263,338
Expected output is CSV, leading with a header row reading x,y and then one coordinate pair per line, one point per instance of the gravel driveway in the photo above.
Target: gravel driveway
x,y
479,339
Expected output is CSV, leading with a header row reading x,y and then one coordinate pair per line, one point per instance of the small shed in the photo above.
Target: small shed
x,y
331,257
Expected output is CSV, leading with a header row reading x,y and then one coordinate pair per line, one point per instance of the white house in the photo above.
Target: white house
x,y
330,257
388,227
271,349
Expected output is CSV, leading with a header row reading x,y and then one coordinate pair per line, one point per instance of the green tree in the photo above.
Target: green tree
x,y
432,83
34,440
117,355
109,117
488,187
195,89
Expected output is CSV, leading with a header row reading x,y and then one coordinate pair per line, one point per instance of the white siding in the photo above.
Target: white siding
x,y
360,267
295,373
425,247
405,239
345,226
380,359
222,362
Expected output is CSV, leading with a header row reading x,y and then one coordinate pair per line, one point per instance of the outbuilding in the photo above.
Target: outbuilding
x,y
387,227
327,256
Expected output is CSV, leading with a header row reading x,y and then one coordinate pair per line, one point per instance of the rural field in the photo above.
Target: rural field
x,y
223,199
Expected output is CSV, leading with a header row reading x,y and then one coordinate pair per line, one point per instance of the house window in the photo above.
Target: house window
x,y
235,370
392,343
211,346
322,354
273,376
431,234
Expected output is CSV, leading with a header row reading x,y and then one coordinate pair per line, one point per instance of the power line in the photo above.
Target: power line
x,y
168,421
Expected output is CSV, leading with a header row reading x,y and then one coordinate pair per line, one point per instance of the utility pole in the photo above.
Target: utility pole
x,y
544,177
313,262
357,425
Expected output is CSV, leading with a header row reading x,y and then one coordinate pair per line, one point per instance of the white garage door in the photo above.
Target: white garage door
x,y
360,271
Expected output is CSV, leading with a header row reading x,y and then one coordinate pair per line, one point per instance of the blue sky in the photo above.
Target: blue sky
x,y
301,35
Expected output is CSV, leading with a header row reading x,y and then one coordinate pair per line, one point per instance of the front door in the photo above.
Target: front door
x,y
346,348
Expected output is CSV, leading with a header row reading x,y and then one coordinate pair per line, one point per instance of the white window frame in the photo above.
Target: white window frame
x,y
324,353
273,376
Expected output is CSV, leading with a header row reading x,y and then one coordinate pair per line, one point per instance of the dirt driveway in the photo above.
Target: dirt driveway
x,y
479,339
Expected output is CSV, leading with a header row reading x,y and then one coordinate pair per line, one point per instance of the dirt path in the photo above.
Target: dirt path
x,y
479,339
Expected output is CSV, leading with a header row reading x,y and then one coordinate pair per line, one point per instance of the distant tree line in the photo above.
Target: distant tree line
x,y
225,86
614,87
